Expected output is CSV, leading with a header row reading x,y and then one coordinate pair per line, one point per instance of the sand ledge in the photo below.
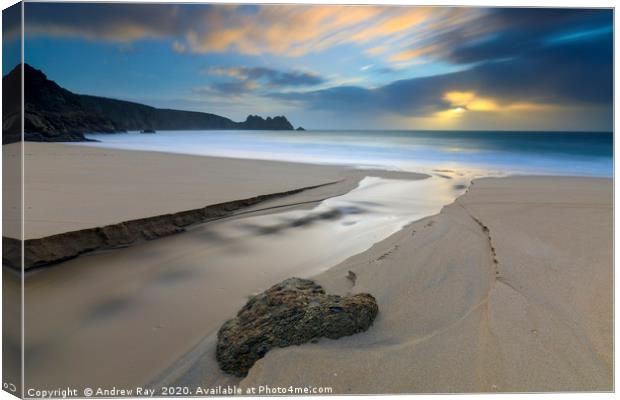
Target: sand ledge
x,y
61,247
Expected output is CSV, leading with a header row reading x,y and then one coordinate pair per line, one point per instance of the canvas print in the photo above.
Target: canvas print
x,y
298,199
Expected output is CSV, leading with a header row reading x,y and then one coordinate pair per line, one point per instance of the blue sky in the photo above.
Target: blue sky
x,y
343,67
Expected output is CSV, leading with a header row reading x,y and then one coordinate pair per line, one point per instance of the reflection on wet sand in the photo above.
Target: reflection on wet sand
x,y
121,317
329,215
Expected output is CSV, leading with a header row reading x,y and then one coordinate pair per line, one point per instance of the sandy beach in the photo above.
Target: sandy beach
x,y
123,185
452,319
507,288
119,297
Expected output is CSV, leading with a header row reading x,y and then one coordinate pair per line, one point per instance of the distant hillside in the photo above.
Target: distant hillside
x,y
54,114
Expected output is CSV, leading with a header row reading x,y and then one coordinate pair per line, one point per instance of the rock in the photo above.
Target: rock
x,y
279,123
293,312
300,129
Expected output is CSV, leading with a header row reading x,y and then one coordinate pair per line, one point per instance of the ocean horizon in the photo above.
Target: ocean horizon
x,y
485,152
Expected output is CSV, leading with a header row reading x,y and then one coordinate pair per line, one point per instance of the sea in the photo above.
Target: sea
x,y
493,152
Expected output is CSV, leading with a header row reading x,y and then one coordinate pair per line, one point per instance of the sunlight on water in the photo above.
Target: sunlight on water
x,y
588,154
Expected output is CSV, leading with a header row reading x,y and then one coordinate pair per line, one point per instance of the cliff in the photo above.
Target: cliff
x,y
52,113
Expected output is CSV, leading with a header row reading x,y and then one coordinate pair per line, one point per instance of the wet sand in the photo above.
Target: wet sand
x,y
508,289
147,305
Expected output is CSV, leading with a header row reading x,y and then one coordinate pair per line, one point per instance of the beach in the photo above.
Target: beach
x,y
133,293
524,305
124,185
507,287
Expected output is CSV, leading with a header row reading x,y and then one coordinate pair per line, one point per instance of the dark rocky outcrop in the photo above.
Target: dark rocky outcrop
x,y
258,123
292,312
300,129
52,113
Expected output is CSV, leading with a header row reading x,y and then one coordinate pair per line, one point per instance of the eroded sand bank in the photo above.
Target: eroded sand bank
x,y
70,187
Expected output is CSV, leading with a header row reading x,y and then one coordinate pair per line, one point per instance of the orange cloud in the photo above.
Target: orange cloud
x,y
392,24
450,113
289,30
459,98
375,51
471,101
296,30
483,105
528,106
413,53
466,101
280,29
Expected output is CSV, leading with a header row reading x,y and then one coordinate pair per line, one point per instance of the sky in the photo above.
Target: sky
x,y
338,67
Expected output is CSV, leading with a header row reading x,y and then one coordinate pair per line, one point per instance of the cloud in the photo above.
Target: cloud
x,y
234,88
110,21
510,60
243,80
503,33
397,23
458,35
290,30
270,77
375,51
470,101
461,103
413,53
571,74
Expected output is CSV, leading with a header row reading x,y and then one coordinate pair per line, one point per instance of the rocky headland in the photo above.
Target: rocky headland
x,y
54,114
